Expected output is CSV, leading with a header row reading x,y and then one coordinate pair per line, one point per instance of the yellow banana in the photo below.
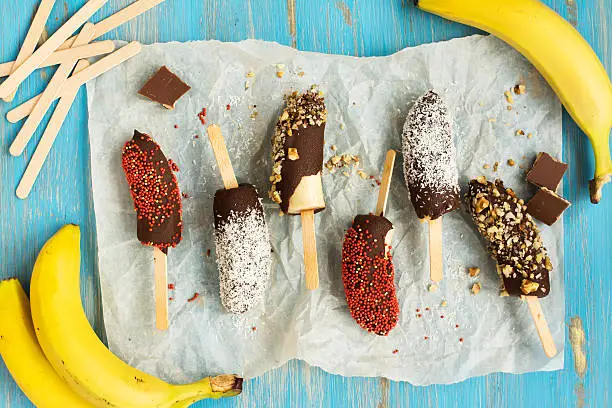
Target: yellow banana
x,y
23,356
76,353
562,56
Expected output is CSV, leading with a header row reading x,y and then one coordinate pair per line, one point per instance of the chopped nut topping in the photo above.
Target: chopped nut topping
x,y
504,293
293,154
474,272
528,286
481,204
481,179
476,288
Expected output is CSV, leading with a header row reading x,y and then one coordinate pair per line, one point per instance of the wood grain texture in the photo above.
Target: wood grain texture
x,y
379,27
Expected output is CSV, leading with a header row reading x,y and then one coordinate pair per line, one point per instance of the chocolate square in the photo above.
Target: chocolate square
x,y
165,88
546,171
547,206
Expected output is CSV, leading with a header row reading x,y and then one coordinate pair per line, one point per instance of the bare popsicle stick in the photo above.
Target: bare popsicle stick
x,y
48,96
98,68
383,194
311,265
48,138
44,51
32,37
69,54
436,266
161,289
223,160
121,17
537,315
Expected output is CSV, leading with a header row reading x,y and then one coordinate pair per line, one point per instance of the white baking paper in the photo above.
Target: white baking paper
x,y
368,99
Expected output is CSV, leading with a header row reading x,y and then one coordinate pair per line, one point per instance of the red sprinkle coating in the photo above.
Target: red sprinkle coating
x,y
369,284
157,199
194,297
173,166
202,116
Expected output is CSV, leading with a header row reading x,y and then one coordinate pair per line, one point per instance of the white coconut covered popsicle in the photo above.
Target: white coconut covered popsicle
x,y
430,169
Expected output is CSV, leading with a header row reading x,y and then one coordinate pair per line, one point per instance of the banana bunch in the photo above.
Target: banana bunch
x,y
562,56
62,363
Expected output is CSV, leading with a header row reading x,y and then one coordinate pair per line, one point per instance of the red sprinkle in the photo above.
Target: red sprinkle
x,y
228,107
208,253
427,309
426,337
185,195
202,116
442,317
170,298
461,339
194,297
369,283
456,326
418,310
395,351
171,286
176,126
253,328
196,136
173,166
419,315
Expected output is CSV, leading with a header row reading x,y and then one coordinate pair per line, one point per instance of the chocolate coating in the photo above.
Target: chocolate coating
x,y
309,144
237,200
154,189
379,227
513,238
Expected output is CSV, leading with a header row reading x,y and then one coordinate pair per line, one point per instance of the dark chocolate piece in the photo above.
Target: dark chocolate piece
x,y
430,167
514,239
165,88
154,189
300,127
237,200
546,171
547,206
369,276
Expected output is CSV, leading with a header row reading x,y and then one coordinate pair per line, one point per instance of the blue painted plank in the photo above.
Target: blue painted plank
x,y
352,27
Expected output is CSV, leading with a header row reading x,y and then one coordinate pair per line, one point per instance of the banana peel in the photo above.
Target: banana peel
x,y
561,55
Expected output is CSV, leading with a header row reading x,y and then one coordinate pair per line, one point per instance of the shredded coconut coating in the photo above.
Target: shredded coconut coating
x,y
430,167
244,260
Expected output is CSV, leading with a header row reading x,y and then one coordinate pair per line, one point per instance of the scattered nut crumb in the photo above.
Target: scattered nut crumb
x,y
492,120
444,303
301,73
346,173
509,107
333,147
520,89
362,174
495,166
486,166
476,288
250,74
529,135
280,74
504,293
432,287
475,271
247,85
342,126
508,96
520,132
511,162
292,153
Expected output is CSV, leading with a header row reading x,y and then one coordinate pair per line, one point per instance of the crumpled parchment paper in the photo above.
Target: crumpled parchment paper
x,y
368,99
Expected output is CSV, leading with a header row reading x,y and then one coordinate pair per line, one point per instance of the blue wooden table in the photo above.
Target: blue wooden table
x,y
353,27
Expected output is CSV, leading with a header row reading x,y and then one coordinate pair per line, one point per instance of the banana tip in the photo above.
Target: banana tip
x,y
596,186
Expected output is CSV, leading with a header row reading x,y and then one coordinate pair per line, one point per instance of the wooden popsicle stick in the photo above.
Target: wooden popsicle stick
x,y
75,81
436,266
121,17
537,315
161,289
48,96
311,264
383,194
69,54
32,37
48,138
44,51
223,161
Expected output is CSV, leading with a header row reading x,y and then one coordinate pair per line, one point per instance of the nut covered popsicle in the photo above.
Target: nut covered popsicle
x,y
513,238
297,153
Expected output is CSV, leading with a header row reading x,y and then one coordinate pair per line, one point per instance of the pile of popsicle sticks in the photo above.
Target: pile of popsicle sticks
x,y
74,70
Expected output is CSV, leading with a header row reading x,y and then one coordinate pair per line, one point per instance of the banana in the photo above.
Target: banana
x,y
23,356
559,52
76,353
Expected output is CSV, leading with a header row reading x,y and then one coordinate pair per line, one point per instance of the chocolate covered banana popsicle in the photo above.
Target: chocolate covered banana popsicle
x,y
515,243
297,152
430,169
157,201
242,240
513,238
367,266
